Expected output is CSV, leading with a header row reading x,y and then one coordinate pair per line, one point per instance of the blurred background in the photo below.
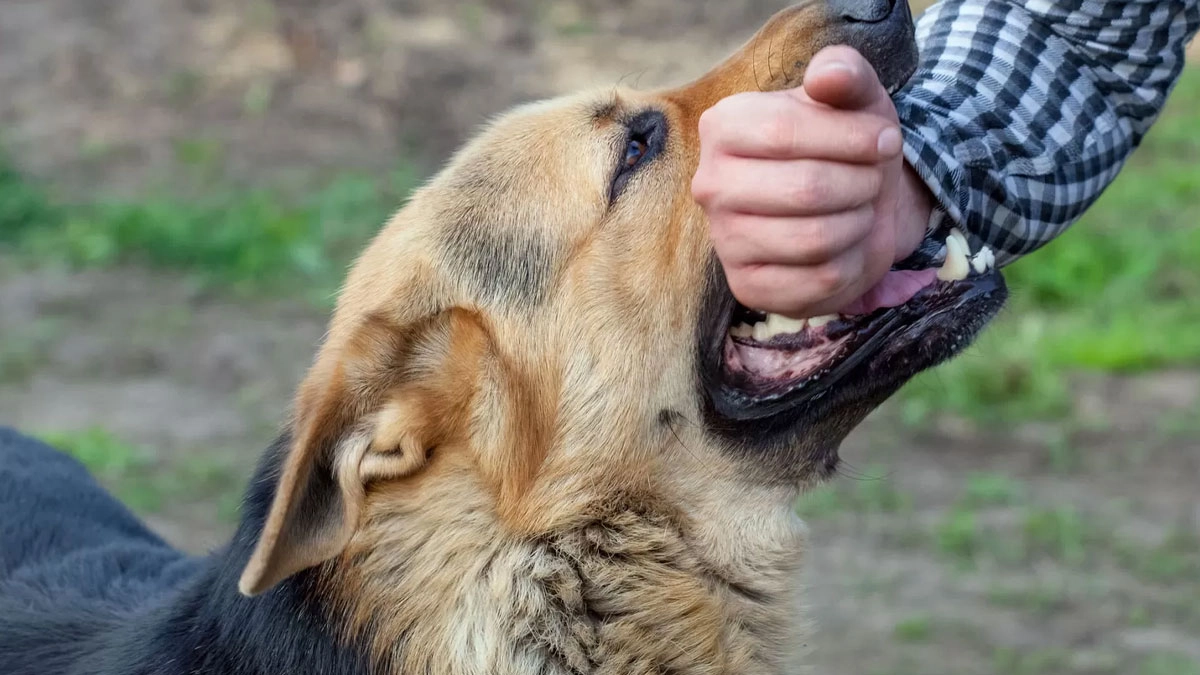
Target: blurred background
x,y
183,183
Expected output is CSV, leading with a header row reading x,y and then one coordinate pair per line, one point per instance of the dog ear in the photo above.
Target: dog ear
x,y
371,409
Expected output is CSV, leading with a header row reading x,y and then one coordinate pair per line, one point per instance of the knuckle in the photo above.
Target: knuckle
x,y
830,278
780,130
873,182
837,234
808,190
715,125
862,187
717,121
823,242
704,187
863,219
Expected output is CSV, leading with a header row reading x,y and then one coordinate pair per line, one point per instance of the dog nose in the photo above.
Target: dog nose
x,y
864,11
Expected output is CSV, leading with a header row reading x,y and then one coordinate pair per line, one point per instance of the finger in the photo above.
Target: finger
x,y
789,188
840,77
798,291
754,240
778,126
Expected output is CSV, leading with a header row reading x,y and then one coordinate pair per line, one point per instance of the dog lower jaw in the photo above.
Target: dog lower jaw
x,y
790,368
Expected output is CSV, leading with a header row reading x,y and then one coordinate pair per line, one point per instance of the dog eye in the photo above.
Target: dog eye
x,y
635,151
646,139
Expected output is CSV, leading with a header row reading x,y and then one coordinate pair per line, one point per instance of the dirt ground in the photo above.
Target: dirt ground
x,y
1084,561
100,94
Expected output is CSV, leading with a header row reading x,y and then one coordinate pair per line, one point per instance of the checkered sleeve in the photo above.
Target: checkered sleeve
x,y
1023,111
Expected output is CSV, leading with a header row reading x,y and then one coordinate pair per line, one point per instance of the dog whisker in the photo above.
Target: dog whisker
x,y
754,64
638,73
671,426
849,471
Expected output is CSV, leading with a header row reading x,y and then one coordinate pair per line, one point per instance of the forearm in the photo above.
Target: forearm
x,y
1023,111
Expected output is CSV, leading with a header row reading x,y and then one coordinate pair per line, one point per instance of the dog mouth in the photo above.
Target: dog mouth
x,y
925,310
776,372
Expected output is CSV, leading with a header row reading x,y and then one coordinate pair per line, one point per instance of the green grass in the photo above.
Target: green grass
x,y
245,239
960,537
1043,562
1169,664
995,524
123,467
1030,599
992,489
23,205
1060,533
1007,661
25,348
147,483
1115,293
1175,560
914,629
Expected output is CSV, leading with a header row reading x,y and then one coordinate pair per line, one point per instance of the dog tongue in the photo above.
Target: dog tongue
x,y
896,288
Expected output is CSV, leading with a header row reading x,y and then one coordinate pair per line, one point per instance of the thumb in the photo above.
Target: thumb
x,y
841,78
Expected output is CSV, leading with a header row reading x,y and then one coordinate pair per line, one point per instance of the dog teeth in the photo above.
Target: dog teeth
x,y
764,331
776,324
979,263
956,267
782,324
959,262
984,260
761,332
957,234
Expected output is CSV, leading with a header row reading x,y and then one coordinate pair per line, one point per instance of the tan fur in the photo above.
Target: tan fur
x,y
509,497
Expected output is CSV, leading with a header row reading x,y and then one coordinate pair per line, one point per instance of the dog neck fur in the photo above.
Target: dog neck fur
x,y
631,588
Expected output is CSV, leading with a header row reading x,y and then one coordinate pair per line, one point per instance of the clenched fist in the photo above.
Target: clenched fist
x,y
807,193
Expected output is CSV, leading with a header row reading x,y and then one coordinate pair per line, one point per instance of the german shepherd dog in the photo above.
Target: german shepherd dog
x,y
537,438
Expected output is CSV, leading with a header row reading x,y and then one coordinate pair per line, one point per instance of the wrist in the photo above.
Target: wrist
x,y
913,210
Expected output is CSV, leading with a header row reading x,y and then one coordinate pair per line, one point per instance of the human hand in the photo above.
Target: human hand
x,y
809,200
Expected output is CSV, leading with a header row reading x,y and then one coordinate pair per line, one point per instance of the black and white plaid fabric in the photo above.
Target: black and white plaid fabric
x,y
1023,111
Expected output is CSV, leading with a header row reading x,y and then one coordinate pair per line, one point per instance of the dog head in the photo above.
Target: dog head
x,y
544,326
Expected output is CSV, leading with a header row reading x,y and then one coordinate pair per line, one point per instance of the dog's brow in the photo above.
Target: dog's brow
x,y
500,265
606,110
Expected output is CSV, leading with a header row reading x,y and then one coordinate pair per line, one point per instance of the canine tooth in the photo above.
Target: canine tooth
x,y
818,321
956,233
742,330
956,266
991,257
